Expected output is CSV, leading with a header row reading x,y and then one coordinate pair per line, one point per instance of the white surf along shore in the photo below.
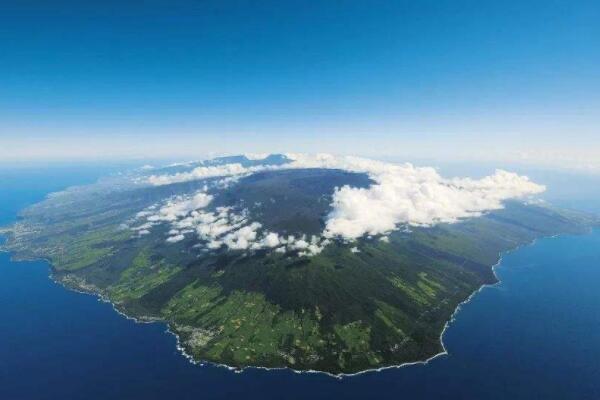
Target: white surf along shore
x,y
147,320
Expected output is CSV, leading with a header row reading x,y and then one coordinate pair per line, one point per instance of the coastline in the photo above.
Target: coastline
x,y
181,349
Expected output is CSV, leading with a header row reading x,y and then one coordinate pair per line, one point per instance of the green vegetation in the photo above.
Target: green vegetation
x,y
339,311
141,277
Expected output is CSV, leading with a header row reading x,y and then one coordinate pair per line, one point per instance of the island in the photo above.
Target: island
x,y
263,262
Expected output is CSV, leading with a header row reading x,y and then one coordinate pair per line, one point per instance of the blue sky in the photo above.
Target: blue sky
x,y
465,80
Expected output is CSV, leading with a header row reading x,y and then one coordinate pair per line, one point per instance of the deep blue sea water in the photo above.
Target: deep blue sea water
x,y
536,335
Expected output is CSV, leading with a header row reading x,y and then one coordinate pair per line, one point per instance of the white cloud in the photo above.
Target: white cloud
x,y
179,207
210,225
243,238
224,227
142,227
230,173
401,196
306,247
256,156
144,213
269,241
174,209
419,197
198,173
175,239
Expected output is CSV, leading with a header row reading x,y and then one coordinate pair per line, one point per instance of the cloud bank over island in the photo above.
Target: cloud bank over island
x,y
419,197
221,227
401,195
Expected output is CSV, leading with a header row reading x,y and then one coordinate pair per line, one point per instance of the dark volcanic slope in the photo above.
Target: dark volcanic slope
x,y
290,201
354,306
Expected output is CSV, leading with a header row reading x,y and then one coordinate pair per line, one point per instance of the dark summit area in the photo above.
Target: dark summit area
x,y
290,201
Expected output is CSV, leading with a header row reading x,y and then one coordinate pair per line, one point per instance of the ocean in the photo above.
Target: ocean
x,y
534,335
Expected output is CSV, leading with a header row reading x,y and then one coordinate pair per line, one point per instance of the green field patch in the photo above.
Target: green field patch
x,y
78,251
247,326
382,314
141,277
415,293
428,286
355,335
190,302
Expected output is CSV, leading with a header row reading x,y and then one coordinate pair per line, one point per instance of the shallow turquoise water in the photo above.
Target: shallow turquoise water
x,y
535,335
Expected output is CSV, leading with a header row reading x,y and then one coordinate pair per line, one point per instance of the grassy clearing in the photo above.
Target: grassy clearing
x,y
141,277
74,252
